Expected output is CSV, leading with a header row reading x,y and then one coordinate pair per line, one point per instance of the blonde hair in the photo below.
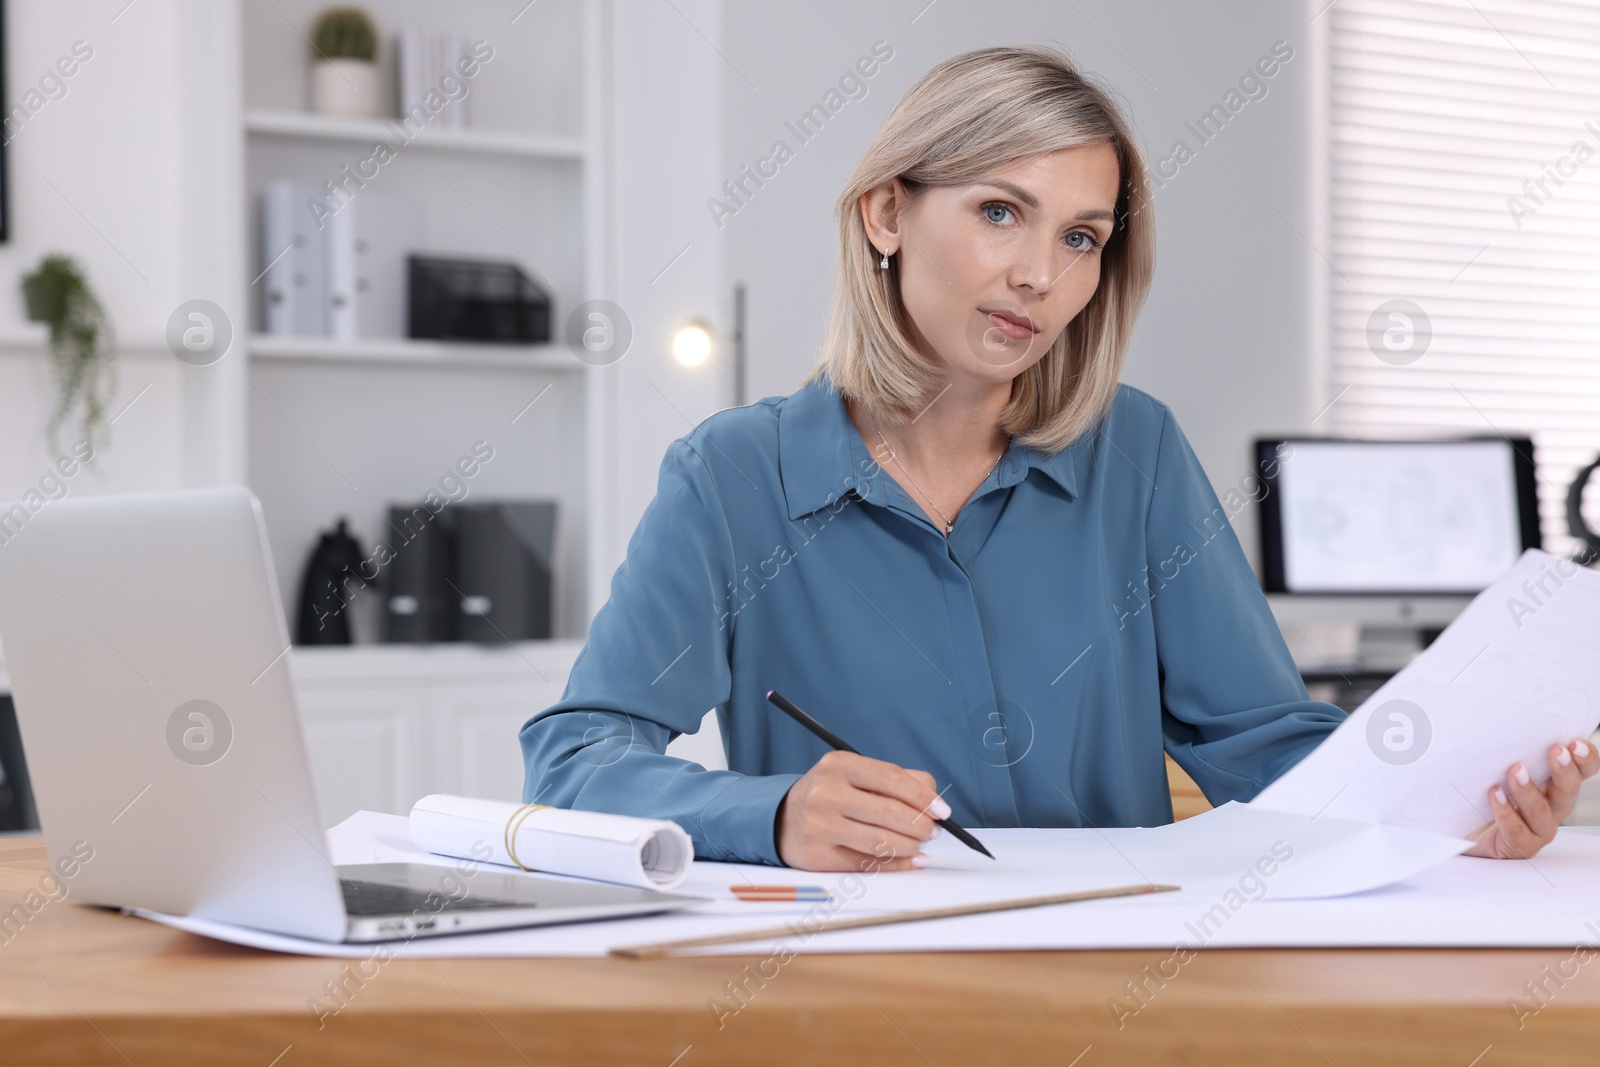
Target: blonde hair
x,y
968,116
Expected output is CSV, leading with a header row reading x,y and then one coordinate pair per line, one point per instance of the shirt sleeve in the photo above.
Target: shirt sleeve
x,y
1235,711
656,660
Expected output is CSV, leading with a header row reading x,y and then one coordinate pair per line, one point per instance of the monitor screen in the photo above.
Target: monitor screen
x,y
1394,517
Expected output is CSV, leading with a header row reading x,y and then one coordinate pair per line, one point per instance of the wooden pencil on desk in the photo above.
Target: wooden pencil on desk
x,y
667,948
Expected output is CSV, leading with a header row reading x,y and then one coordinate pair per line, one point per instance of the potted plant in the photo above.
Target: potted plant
x,y
344,64
82,343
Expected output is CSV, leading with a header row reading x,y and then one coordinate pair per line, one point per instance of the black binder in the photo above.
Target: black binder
x,y
418,603
504,557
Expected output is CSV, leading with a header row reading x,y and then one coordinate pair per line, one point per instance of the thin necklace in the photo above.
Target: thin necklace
x,y
949,524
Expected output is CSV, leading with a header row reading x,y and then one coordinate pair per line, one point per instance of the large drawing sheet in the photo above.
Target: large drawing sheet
x,y
1234,848
1547,902
1229,861
1516,672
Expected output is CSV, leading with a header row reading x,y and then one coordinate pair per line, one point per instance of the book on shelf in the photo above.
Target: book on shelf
x,y
431,62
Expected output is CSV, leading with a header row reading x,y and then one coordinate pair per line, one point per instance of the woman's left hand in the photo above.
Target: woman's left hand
x,y
1525,816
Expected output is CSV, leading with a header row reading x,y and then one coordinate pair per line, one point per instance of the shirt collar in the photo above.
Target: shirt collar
x,y
821,457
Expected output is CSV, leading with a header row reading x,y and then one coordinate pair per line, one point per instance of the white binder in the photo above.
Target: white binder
x,y
294,287
368,240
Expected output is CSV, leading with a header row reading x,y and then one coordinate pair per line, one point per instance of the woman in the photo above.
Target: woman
x,y
961,544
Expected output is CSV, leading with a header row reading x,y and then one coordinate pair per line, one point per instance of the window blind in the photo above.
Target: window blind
x,y
1463,227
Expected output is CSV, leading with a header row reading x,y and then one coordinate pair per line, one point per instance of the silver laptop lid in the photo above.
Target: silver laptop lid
x,y
147,649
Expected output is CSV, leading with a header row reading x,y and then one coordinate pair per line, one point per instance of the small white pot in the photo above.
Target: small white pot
x,y
346,87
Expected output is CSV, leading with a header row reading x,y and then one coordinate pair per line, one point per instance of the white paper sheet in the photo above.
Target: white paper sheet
x,y
1230,860
648,853
1517,672
1251,851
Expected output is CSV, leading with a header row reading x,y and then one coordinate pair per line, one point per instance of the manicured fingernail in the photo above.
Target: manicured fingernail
x,y
1520,773
939,808
1499,795
1581,748
937,830
1563,757
919,860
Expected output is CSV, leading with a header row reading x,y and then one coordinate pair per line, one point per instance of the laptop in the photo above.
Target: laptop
x,y
147,649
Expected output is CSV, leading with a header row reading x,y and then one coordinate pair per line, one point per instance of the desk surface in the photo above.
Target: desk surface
x,y
86,986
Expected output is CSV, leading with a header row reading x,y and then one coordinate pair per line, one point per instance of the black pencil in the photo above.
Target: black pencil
x,y
833,740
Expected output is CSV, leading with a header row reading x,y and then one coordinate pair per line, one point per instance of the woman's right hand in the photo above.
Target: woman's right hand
x,y
849,813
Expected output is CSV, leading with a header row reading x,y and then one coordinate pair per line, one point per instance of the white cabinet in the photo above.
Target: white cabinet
x,y
388,724
344,428
364,748
473,735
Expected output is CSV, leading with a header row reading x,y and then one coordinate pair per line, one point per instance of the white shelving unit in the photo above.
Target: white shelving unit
x,y
406,351
342,429
366,131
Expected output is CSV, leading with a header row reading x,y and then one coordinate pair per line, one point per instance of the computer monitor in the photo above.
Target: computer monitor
x,y
1394,518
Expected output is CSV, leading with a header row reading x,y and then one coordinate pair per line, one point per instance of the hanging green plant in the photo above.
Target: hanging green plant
x,y
82,344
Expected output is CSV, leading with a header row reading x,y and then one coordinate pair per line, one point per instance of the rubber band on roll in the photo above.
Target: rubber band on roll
x,y
513,824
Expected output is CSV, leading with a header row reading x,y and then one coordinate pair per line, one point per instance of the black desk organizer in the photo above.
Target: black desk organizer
x,y
474,300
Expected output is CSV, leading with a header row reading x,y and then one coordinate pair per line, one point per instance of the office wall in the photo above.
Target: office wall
x,y
1226,335
124,171
117,165
123,180
668,85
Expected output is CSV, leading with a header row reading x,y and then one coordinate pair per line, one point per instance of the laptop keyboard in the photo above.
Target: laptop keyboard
x,y
379,898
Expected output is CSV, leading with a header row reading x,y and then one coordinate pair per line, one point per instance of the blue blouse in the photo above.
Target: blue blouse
x,y
1091,608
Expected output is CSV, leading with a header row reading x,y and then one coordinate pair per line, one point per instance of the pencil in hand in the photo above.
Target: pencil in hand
x,y
834,741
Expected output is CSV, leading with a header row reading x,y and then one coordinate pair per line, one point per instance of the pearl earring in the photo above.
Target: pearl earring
x,y
884,262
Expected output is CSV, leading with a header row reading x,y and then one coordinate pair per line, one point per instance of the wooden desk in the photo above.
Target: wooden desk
x,y
1187,800
85,987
